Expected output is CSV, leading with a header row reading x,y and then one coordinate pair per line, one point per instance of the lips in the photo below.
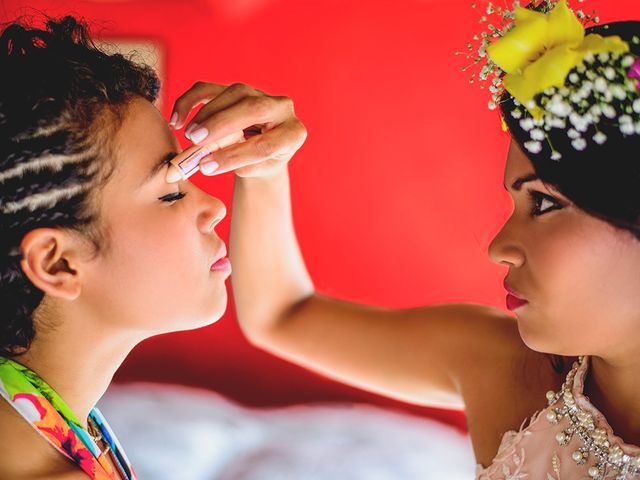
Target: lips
x,y
512,291
514,299
221,262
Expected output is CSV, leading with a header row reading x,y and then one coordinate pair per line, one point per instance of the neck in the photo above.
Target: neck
x,y
78,359
612,387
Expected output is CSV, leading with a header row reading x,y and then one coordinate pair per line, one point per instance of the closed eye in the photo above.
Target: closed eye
x,y
172,197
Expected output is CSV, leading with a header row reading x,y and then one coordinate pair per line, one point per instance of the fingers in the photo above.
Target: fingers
x,y
218,120
274,146
200,92
228,97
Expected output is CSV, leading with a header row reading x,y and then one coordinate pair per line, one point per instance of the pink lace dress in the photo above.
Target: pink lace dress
x,y
568,440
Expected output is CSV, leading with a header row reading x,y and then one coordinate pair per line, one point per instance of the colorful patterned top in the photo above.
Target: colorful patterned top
x,y
52,418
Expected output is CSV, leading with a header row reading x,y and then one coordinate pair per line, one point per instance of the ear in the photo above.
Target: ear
x,y
50,262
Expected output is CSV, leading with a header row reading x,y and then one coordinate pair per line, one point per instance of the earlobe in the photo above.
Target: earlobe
x,y
47,263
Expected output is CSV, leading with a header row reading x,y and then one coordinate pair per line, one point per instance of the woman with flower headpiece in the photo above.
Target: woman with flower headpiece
x,y
570,98
76,254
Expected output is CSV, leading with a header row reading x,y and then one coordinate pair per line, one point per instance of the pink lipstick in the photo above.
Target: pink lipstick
x,y
514,299
222,265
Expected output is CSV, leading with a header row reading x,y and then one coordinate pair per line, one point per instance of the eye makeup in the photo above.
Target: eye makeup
x,y
537,198
187,163
172,197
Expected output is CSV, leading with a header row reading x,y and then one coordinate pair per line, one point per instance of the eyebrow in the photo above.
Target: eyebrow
x,y
158,166
517,185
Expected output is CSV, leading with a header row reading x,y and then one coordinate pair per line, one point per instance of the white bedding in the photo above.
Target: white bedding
x,y
178,433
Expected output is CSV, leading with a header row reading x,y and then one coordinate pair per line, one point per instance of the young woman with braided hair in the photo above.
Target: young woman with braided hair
x,y
98,250
95,245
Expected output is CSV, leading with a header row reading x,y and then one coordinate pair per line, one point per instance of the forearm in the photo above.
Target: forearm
x,y
269,276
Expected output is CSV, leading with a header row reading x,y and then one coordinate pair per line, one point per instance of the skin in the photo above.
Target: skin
x,y
153,278
451,355
578,272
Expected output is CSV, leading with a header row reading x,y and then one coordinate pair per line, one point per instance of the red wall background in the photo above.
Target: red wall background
x,y
398,189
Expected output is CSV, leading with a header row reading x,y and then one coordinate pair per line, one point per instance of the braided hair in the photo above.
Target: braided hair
x,y
62,100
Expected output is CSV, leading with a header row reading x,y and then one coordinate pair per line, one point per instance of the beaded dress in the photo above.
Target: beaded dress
x,y
568,440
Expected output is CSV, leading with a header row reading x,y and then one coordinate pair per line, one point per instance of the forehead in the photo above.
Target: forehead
x,y
518,164
143,138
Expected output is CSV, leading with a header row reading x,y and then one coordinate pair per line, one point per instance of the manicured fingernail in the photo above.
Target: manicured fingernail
x,y
209,167
174,119
190,128
198,135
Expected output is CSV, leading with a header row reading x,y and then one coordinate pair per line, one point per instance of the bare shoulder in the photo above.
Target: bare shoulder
x,y
501,380
24,454
477,341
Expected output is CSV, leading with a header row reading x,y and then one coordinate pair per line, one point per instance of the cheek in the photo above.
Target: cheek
x,y
585,284
157,273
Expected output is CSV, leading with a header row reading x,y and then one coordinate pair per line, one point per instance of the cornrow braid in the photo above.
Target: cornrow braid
x,y
62,100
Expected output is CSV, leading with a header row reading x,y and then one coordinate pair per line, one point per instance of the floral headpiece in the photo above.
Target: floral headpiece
x,y
558,76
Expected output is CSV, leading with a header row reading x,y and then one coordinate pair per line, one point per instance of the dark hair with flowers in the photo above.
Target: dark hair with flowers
x,y
600,177
570,98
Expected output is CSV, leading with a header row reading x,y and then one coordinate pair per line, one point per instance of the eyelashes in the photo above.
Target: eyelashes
x,y
172,197
537,199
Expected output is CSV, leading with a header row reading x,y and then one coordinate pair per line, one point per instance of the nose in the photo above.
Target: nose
x,y
212,214
211,210
505,247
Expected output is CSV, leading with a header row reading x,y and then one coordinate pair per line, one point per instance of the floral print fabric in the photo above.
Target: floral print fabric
x,y
52,418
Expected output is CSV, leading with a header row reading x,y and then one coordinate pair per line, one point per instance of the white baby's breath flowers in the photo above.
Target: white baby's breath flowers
x,y
580,122
526,123
579,144
610,73
559,107
555,122
599,138
537,134
609,111
600,84
619,92
627,126
598,96
533,146
573,133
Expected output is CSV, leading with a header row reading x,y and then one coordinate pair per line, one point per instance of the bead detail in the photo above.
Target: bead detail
x,y
594,441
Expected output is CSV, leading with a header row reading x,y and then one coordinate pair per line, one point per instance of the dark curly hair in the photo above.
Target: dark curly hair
x,y
62,100
602,180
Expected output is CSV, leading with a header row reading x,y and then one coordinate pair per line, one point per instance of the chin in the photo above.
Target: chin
x,y
207,315
549,343
538,341
210,316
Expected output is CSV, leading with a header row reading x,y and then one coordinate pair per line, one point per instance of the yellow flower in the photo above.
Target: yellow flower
x,y
541,49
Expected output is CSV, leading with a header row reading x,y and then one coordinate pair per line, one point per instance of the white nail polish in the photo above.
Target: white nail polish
x,y
209,167
198,135
174,119
190,129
